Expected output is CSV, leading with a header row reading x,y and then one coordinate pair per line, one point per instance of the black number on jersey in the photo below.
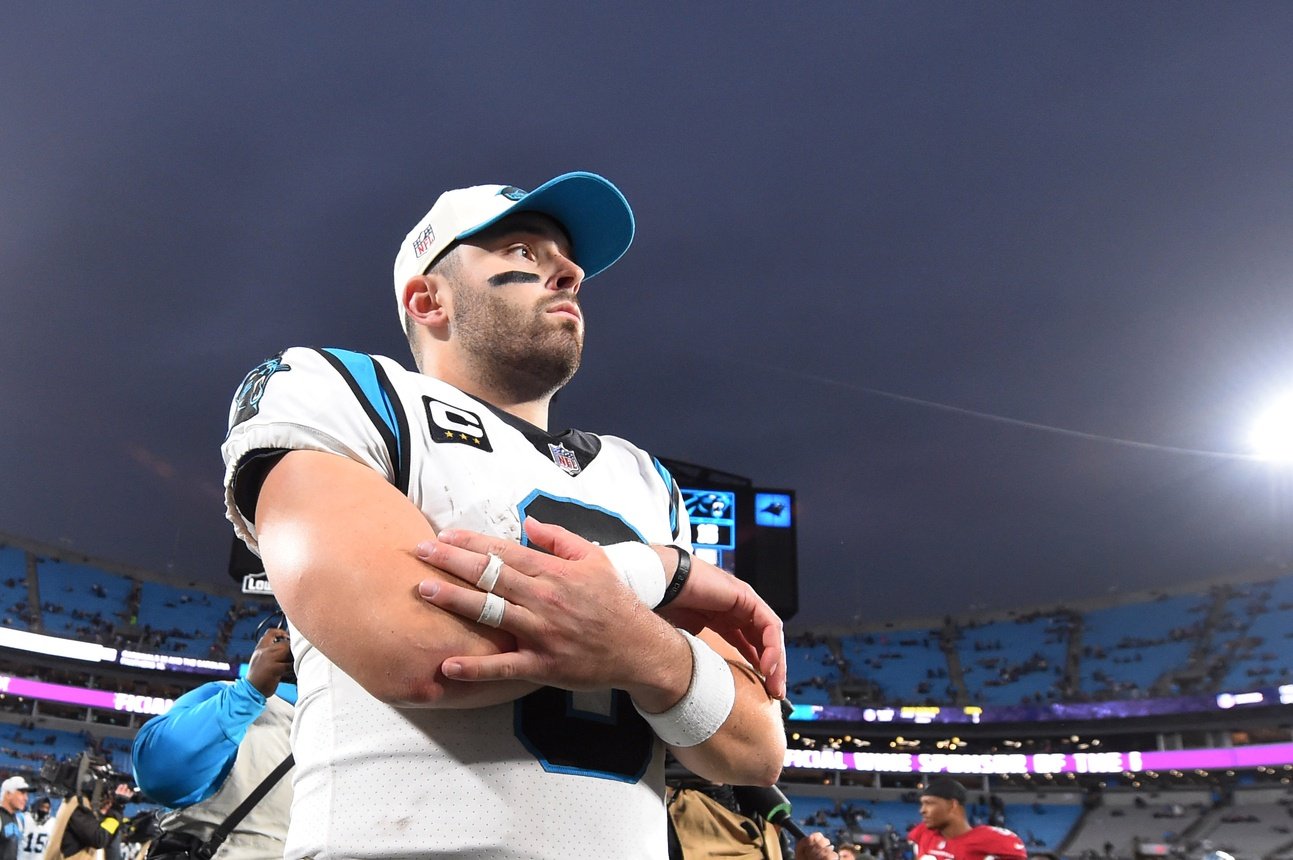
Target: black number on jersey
x,y
616,744
34,843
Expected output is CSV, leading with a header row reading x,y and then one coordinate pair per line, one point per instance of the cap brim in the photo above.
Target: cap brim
x,y
593,212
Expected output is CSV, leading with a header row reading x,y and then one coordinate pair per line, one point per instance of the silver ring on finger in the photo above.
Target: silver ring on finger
x,y
489,576
491,614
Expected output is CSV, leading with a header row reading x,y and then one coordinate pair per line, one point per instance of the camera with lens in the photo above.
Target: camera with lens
x,y
87,776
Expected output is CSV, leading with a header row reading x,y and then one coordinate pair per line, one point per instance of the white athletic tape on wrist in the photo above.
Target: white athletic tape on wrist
x,y
640,568
704,708
489,576
491,613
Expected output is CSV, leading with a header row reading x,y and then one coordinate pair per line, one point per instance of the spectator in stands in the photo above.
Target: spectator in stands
x,y
13,800
37,829
945,832
212,750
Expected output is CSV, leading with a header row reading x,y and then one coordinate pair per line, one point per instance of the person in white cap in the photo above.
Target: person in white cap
x,y
13,800
471,591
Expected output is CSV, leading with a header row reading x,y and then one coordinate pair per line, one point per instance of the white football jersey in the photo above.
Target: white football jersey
x,y
35,836
554,774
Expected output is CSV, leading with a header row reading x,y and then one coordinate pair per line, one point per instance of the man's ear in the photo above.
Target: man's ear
x,y
425,301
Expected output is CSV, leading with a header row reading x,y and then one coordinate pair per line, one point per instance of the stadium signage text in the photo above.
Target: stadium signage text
x,y
144,660
1039,713
256,583
127,702
1257,755
141,704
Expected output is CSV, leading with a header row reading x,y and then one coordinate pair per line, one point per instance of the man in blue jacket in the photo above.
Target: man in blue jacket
x,y
215,746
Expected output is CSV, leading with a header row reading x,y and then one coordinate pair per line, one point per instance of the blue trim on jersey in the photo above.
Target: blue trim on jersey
x,y
376,394
364,371
672,488
534,494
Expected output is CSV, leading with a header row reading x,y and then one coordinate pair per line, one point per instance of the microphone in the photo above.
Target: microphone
x,y
770,803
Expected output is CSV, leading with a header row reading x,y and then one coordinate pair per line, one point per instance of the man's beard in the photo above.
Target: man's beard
x,y
517,351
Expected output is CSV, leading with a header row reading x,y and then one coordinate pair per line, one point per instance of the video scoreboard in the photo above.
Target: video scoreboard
x,y
750,533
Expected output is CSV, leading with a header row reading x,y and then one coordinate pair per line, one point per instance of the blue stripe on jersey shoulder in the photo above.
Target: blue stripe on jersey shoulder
x,y
363,370
672,489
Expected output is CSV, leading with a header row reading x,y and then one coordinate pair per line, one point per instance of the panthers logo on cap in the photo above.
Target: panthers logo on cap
x,y
511,192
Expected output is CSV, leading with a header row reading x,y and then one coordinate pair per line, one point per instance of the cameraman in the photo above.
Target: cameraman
x,y
88,829
215,746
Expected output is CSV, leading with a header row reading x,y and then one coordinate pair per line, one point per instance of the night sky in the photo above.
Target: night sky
x,y
997,288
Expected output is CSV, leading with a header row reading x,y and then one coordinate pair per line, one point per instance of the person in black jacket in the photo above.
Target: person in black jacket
x,y
13,800
87,828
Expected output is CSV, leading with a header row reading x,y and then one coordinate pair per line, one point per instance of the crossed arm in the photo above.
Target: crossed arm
x,y
339,542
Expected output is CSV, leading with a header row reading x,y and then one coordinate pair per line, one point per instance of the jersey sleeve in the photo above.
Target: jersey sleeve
x,y
328,400
183,756
679,523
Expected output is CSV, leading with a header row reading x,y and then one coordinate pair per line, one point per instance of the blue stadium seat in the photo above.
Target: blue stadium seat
x,y
908,665
1010,661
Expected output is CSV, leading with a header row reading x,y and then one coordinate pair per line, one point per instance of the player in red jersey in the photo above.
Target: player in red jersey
x,y
945,834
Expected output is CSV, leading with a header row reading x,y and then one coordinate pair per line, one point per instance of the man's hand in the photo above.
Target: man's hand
x,y
712,597
577,625
730,607
814,846
271,660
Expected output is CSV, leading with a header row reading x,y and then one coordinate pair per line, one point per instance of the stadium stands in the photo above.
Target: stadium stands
x,y
80,601
1125,649
182,621
1258,823
1042,821
14,594
1124,820
815,669
1258,634
907,665
1010,661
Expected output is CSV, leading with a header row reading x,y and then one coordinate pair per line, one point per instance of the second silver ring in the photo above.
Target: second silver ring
x,y
489,576
491,614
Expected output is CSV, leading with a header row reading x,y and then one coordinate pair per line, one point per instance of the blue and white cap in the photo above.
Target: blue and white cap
x,y
593,212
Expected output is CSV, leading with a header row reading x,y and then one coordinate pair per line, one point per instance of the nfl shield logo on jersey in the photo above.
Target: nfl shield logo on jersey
x,y
565,458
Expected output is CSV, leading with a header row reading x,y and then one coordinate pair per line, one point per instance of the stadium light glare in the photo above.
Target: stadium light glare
x,y
1272,435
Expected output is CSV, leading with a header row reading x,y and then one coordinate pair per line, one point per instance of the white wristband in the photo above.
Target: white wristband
x,y
640,568
704,708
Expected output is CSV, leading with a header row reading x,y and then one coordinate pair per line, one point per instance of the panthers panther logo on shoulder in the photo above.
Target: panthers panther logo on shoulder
x,y
252,389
